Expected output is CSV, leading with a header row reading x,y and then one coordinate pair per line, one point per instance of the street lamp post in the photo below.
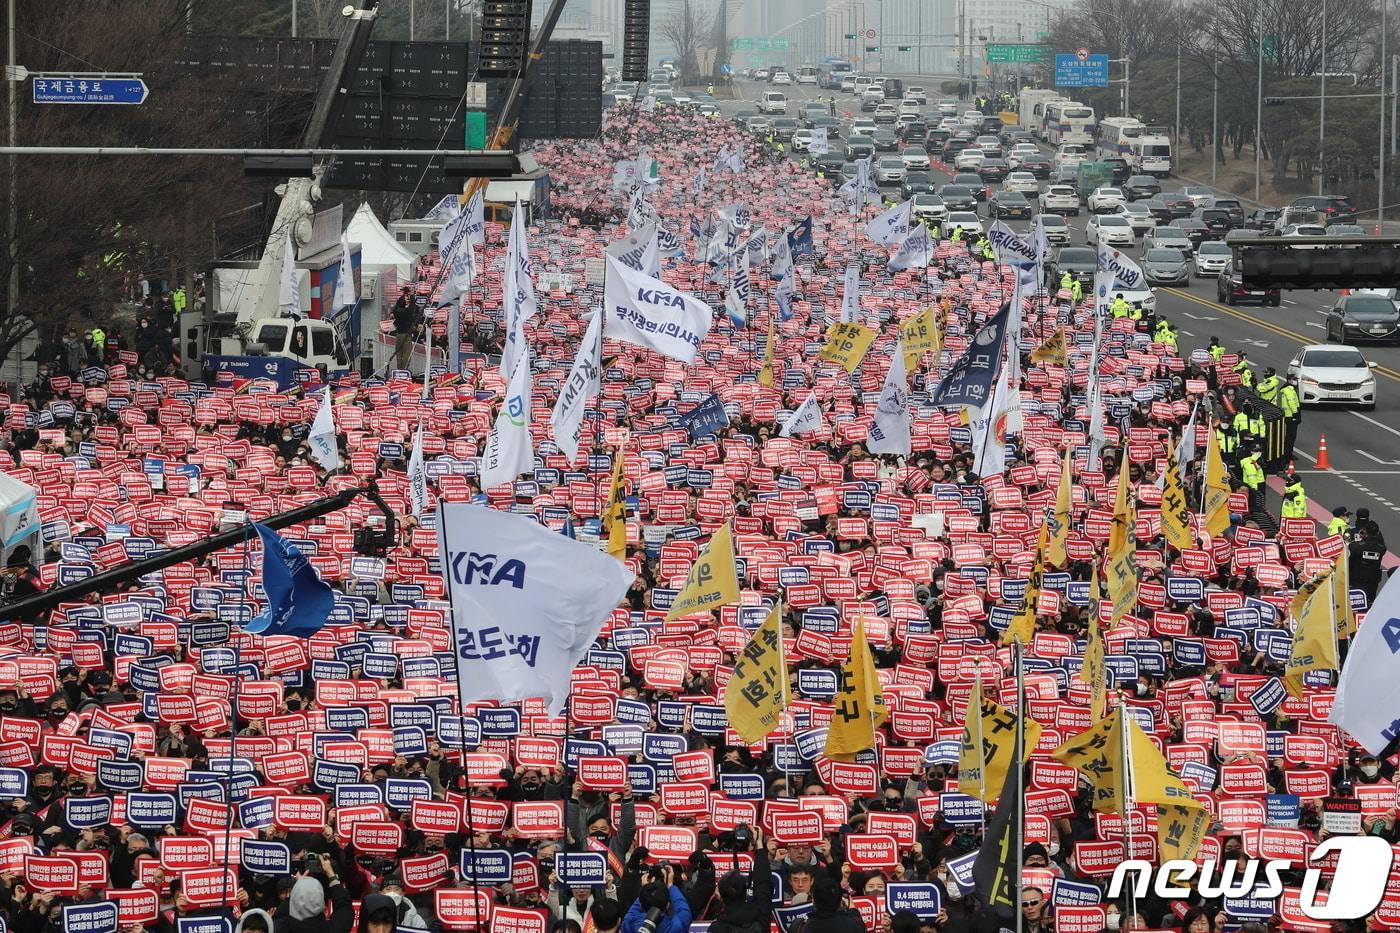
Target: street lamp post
x,y
1259,105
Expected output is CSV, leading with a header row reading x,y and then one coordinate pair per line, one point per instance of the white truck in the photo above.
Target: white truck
x,y
1152,152
1029,107
773,102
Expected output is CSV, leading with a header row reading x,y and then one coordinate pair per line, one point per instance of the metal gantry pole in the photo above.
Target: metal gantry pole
x,y
1380,167
12,291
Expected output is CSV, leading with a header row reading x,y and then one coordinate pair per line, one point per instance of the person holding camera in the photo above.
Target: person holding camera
x,y
661,907
740,912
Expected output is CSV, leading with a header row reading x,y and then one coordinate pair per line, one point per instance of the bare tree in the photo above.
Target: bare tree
x,y
687,31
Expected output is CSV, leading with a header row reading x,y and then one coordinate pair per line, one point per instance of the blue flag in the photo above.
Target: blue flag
x,y
800,239
704,419
298,600
969,380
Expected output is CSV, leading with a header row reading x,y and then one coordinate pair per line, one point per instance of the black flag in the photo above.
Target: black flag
x,y
995,870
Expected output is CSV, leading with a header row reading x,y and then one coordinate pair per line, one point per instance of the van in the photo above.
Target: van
x,y
773,102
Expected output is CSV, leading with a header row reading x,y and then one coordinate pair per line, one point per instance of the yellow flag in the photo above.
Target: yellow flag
x,y
846,344
1176,511
1122,571
1342,613
1216,504
1097,753
615,518
1092,672
1022,625
1181,820
988,747
1052,350
757,693
860,708
1314,634
920,334
765,372
1061,519
712,582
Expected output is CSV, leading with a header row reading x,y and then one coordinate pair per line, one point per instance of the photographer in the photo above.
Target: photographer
x,y
661,907
740,912
831,913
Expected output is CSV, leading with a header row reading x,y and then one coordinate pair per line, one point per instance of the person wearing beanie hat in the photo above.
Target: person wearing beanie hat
x,y
307,905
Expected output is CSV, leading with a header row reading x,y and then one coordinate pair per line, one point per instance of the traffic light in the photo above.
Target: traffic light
x,y
505,38
905,48
850,35
872,48
636,39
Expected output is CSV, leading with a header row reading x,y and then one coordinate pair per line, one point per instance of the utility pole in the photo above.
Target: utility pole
x,y
1214,112
1176,141
1380,167
294,19
1259,103
1322,108
12,292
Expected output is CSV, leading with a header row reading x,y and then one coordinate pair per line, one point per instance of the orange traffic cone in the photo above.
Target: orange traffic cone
x,y
1323,461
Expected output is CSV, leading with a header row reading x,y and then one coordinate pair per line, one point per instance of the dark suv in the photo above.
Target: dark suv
x,y
1230,290
1334,208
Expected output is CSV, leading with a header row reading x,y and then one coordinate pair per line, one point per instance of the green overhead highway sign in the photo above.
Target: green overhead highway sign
x,y
742,45
1005,54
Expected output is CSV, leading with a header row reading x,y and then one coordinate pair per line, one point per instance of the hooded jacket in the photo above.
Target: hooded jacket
x,y
254,912
307,906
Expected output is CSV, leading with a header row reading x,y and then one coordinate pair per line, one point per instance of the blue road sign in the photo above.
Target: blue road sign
x,y
1072,71
128,91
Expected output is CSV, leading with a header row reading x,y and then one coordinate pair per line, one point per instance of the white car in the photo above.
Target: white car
x,y
1023,182
873,92
1211,258
848,83
1139,217
1106,200
782,77
917,94
929,207
969,160
1019,152
1293,231
909,106
1329,374
1055,227
948,108
1142,297
863,126
1059,199
966,221
801,140
915,158
1070,156
1109,229
889,170
773,102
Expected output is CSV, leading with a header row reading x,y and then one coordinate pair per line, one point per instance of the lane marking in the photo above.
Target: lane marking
x,y
1370,420
1370,456
1266,325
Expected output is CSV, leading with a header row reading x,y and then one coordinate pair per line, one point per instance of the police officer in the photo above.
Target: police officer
x,y
1228,440
1252,475
1215,350
1295,500
1120,307
1258,427
1245,372
1292,407
1067,282
1341,521
1364,563
1269,385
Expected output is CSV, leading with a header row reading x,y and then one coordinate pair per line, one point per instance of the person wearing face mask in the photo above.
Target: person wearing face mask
x,y
1365,769
592,830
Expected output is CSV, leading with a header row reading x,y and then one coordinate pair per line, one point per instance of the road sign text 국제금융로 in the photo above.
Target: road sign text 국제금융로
x,y
89,90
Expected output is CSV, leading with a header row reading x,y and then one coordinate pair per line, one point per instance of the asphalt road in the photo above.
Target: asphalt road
x,y
1364,447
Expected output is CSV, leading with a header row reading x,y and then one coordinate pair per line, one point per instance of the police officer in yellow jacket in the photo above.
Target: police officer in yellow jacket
x,y
1120,308
1269,386
1341,521
1246,373
1215,350
1295,501
1292,407
1252,475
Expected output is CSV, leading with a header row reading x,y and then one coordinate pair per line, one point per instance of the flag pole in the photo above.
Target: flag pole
x,y
977,740
461,715
1125,778
1020,762
233,720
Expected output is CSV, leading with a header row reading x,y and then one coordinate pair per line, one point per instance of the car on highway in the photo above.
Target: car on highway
x,y
966,221
762,74
1023,182
948,107
1104,200
974,183
1168,238
782,77
872,98
993,170
915,158
1109,229
864,126
1122,171
1020,151
801,140
1059,199
916,183
958,197
1055,227
1232,206
1211,257
886,114
909,106
848,83
860,146
1157,208
1347,230
886,139
759,126
1009,204
1070,155
1194,229
969,160
1038,165
1294,231
784,127
1139,217
1079,261
889,170
850,171
929,207
831,162
1176,202
1141,297
1165,267
1363,317
917,93
1264,220
1141,187
773,102
1334,208
1199,194
1330,375
1230,290
1216,220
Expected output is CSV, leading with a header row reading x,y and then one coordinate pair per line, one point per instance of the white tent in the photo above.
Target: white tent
x,y
19,515
378,250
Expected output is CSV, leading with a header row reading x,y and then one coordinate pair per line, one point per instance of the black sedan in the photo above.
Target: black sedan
x,y
958,198
1142,186
1009,204
1037,165
916,183
1079,261
1363,317
973,182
